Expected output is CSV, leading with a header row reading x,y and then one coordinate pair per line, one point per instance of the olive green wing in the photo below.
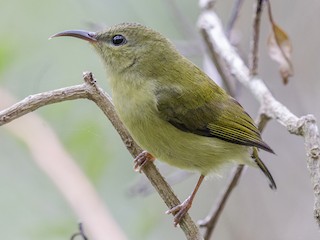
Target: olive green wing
x,y
208,113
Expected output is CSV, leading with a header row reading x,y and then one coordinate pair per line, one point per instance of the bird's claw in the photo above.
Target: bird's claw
x,y
180,211
141,160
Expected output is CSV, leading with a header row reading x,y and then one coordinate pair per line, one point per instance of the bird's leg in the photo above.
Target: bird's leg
x,y
141,160
181,210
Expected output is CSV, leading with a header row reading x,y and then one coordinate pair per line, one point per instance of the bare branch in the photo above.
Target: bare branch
x,y
224,73
143,187
304,126
80,233
220,66
212,219
33,102
253,58
52,159
234,16
91,91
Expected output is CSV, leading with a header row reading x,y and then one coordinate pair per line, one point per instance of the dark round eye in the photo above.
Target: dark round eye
x,y
118,40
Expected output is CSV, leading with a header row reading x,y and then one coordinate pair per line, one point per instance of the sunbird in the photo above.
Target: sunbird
x,y
171,108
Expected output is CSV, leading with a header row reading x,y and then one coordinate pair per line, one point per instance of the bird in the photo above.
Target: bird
x,y
172,109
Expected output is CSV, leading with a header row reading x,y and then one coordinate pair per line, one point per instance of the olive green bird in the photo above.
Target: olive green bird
x,y
171,108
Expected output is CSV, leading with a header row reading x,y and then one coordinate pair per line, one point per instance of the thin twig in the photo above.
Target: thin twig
x,y
80,233
304,126
234,16
223,72
212,218
91,91
253,58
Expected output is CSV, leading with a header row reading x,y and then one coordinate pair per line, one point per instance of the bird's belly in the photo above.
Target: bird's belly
x,y
182,149
169,144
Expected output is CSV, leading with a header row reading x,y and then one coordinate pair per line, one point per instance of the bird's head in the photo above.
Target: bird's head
x,y
129,47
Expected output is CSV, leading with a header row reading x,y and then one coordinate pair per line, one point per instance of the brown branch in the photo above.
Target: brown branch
x,y
212,218
253,58
57,164
91,91
144,188
304,126
33,102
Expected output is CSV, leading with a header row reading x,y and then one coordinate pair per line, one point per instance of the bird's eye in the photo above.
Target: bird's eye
x,y
118,40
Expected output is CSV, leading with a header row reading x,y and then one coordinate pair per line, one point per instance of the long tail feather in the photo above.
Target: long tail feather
x,y
263,168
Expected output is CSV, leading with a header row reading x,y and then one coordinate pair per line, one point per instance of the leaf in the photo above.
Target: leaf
x,y
280,49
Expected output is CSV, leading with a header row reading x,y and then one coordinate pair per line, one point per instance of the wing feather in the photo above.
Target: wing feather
x,y
210,113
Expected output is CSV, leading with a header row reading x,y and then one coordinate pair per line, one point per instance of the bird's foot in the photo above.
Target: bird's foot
x,y
141,160
180,211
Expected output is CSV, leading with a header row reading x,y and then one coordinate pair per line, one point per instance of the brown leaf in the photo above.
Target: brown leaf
x,y
280,49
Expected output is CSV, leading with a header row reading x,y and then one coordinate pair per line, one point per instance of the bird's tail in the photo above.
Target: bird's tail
x,y
263,168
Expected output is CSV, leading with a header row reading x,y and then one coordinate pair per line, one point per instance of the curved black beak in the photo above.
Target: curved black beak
x,y
85,35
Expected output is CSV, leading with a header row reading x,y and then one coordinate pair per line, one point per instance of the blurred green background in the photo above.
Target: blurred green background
x,y
30,205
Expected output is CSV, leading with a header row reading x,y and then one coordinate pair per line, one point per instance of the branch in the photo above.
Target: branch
x,y
234,16
253,58
212,218
33,102
143,187
91,91
56,163
220,66
304,126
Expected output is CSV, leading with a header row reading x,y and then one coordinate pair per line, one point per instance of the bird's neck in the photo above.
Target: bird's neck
x,y
130,94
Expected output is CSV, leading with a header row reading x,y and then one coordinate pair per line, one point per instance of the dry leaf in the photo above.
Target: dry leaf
x,y
280,49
